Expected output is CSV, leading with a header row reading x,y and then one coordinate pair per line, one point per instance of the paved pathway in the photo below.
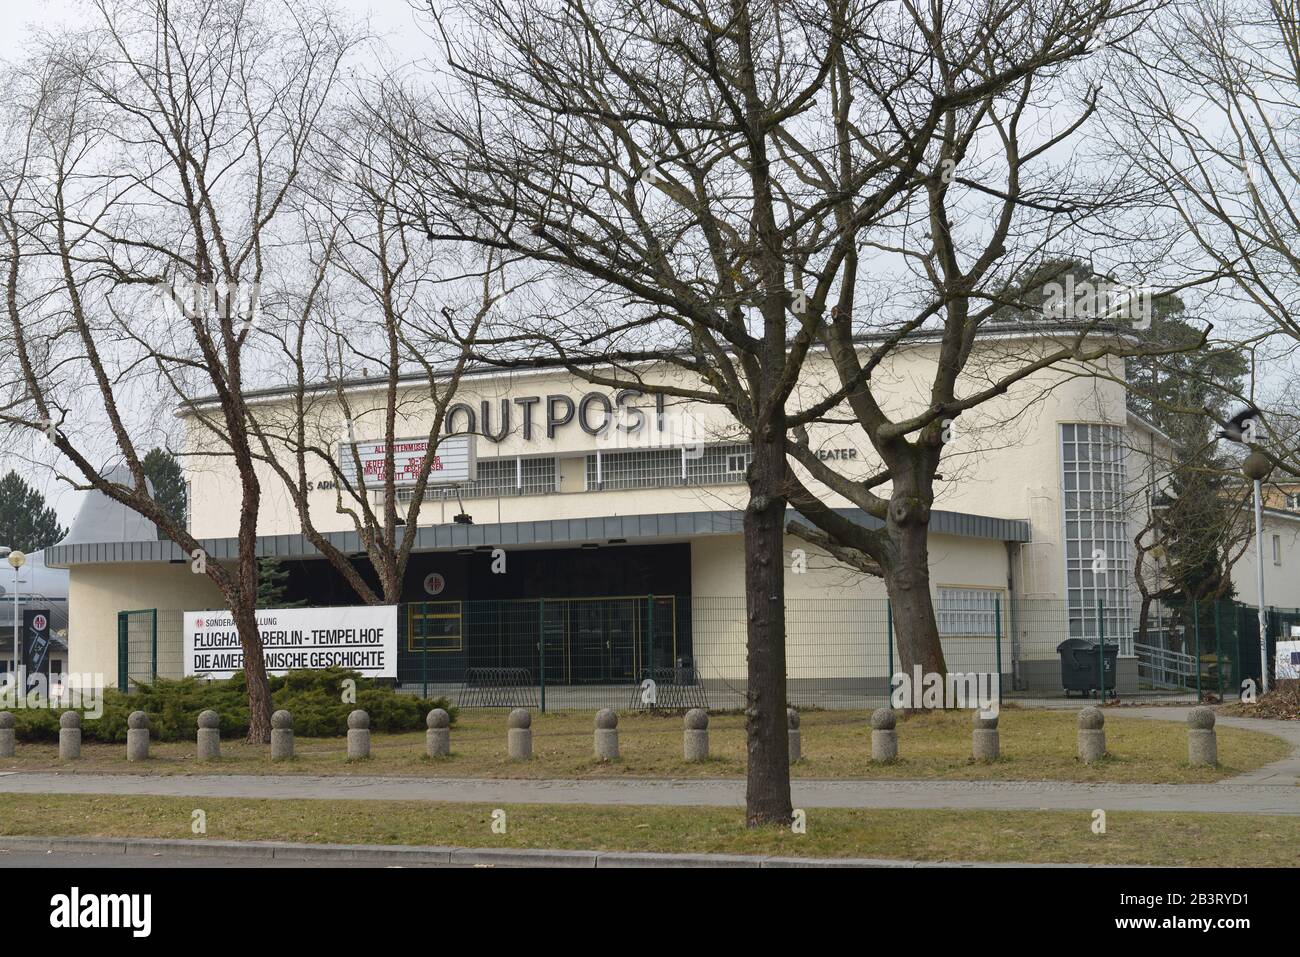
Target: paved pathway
x,y
1269,790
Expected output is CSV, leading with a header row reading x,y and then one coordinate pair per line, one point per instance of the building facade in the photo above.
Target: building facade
x,y
595,538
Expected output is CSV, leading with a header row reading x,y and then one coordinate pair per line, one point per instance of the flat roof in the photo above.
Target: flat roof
x,y
556,532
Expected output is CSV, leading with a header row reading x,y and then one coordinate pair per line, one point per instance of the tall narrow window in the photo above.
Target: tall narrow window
x,y
1096,533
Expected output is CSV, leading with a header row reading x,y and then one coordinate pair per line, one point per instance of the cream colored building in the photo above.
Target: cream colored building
x,y
619,513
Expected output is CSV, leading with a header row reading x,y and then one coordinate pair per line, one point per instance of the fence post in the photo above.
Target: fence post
x,y
153,624
424,645
1196,629
997,628
889,632
1101,649
1218,653
123,649
651,621
541,648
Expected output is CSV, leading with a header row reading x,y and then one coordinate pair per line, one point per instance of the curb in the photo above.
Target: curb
x,y
399,855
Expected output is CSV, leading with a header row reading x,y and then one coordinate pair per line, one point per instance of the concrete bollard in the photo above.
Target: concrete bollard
x,y
69,735
137,736
358,736
282,736
985,745
437,740
209,739
6,734
695,737
1202,746
796,745
607,734
519,737
1092,735
884,739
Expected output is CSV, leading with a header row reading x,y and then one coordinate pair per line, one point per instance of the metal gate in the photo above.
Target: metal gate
x,y
137,647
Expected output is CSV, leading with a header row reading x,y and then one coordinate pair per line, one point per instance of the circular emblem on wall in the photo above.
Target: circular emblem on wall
x,y
434,583
39,622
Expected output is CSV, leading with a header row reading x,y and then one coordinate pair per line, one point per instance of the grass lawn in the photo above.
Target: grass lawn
x,y
1036,745
1052,836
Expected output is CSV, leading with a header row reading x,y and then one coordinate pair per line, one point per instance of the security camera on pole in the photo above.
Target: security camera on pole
x,y
1242,428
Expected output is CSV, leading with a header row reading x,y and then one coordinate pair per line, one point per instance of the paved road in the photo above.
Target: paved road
x,y
1269,790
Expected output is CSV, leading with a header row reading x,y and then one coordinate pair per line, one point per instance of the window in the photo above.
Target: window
x,y
1096,533
968,612
658,468
1277,549
433,626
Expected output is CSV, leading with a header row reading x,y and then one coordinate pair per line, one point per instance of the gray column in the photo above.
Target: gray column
x,y
1202,746
985,744
137,736
519,736
884,739
1092,735
209,739
607,734
358,736
437,739
282,736
69,735
6,734
695,736
796,744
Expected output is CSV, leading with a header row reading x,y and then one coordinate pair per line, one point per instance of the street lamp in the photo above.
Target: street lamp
x,y
17,559
1256,468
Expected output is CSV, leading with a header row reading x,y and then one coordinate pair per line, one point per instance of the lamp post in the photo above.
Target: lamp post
x,y
1256,468
17,559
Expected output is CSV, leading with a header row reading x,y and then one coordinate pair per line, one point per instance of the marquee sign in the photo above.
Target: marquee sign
x,y
360,639
454,461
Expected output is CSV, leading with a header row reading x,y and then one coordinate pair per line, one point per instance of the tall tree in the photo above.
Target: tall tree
x,y
147,158
699,181
26,522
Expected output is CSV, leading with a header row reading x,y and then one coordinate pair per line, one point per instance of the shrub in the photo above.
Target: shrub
x,y
314,697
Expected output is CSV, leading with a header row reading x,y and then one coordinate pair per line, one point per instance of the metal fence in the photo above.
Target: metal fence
x,y
570,653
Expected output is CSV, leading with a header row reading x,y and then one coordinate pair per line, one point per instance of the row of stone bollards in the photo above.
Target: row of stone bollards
x,y
1202,745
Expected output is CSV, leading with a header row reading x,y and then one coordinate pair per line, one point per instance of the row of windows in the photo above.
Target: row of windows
x,y
635,468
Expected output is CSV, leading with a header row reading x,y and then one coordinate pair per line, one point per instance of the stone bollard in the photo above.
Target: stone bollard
x,y
137,736
884,739
695,738
6,734
607,734
1092,735
1202,747
519,739
358,736
69,735
437,740
209,736
282,736
985,745
796,745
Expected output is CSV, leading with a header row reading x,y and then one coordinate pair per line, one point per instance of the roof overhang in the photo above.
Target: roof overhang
x,y
562,532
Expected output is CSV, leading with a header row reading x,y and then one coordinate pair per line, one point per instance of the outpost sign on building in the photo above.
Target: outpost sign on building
x,y
362,639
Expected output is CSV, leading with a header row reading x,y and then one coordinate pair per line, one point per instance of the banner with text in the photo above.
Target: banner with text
x,y
362,638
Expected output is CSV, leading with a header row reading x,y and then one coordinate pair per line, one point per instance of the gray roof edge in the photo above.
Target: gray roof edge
x,y
542,531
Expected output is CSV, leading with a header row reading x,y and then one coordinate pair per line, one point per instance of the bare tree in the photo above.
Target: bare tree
x,y
708,175
154,150
383,304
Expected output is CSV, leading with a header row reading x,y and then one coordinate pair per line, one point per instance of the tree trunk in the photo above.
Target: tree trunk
x,y
907,581
259,689
767,791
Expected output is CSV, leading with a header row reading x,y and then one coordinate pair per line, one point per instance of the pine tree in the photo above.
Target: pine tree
x,y
273,584
26,523
168,481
